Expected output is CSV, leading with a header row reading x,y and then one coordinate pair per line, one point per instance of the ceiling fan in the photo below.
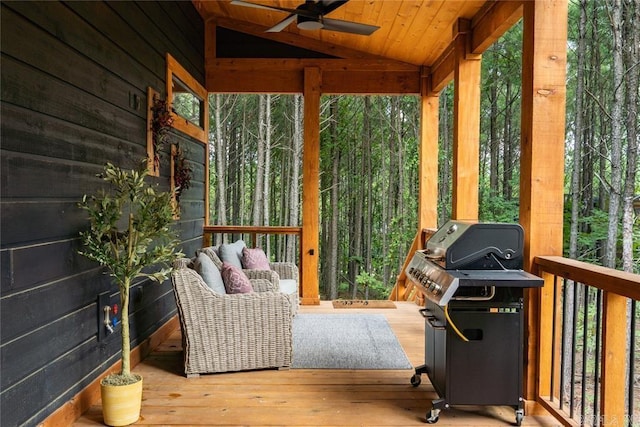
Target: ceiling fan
x,y
310,15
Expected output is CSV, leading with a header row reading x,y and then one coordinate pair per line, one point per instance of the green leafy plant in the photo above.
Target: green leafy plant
x,y
130,232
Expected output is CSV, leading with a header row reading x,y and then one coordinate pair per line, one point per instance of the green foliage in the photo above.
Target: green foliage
x,y
130,230
377,289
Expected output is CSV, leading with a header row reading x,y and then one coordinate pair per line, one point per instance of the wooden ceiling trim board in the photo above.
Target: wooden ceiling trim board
x,y
278,64
493,22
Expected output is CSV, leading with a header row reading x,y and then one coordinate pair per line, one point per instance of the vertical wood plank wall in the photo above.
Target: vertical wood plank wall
x,y
73,96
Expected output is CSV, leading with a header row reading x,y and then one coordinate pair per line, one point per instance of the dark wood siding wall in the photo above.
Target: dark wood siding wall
x,y
73,96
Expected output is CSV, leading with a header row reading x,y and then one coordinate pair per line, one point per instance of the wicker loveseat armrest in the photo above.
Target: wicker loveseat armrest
x,y
286,270
269,275
231,332
263,285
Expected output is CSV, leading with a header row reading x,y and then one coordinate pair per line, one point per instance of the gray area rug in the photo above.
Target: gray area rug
x,y
346,341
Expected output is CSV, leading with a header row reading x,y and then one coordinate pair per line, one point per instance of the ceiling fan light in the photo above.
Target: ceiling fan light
x,y
305,23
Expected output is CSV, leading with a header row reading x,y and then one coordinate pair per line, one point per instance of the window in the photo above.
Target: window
x,y
189,101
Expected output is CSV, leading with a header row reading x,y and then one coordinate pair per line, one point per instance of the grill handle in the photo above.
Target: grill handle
x,y
430,319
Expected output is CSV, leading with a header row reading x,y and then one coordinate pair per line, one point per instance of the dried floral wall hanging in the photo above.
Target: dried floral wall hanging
x,y
161,124
181,171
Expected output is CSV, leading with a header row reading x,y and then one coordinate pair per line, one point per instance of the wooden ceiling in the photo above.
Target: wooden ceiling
x,y
416,32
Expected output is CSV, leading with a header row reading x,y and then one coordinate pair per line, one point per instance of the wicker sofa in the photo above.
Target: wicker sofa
x,y
231,332
284,274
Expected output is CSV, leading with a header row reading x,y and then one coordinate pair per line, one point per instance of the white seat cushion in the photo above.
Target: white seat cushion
x,y
288,286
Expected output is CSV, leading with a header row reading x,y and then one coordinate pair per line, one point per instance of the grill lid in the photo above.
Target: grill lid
x,y
473,245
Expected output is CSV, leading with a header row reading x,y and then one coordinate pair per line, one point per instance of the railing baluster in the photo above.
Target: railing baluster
x,y
585,346
632,364
598,356
554,326
574,333
563,344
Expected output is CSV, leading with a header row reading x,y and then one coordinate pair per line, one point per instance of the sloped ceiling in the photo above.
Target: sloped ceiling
x,y
411,31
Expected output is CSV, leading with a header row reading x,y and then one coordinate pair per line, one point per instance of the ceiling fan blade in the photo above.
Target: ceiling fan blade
x,y
281,9
348,27
282,24
331,5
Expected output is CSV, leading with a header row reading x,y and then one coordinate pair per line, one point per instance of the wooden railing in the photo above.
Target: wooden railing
x,y
252,231
587,343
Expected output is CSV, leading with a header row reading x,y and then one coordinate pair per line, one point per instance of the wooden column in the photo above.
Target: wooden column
x,y
542,159
466,126
309,286
428,197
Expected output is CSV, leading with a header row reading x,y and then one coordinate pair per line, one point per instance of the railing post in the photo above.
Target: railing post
x,y
614,355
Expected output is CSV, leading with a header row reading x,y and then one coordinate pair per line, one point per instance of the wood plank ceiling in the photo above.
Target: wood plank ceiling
x,y
415,32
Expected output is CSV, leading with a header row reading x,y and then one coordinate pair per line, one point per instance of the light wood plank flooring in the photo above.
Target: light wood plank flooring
x,y
299,397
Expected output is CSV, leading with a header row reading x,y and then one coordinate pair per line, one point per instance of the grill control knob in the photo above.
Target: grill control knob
x,y
437,289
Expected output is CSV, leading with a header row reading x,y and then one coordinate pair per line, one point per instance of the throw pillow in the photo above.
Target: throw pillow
x,y
255,259
205,267
231,253
211,251
235,281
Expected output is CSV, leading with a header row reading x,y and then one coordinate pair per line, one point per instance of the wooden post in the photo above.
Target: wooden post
x,y
542,159
466,126
309,285
428,196
615,354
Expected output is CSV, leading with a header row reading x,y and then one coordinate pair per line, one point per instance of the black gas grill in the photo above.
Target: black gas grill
x,y
471,275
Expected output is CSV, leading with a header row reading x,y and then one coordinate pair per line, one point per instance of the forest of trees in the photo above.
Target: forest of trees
x,y
369,158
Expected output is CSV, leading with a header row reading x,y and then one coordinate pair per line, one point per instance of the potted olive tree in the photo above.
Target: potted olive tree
x,y
131,235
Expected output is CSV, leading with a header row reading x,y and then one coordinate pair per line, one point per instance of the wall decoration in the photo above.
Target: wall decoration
x,y
159,124
180,175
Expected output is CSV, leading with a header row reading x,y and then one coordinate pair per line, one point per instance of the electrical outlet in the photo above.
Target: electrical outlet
x,y
104,299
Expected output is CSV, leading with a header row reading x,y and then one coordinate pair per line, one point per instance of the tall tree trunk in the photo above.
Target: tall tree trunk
x,y
577,150
221,166
494,143
294,189
357,214
508,145
617,123
332,250
368,173
632,61
266,196
258,193
444,166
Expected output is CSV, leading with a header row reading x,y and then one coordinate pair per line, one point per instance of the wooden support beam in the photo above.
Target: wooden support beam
x,y
542,152
358,76
466,131
310,288
491,23
428,173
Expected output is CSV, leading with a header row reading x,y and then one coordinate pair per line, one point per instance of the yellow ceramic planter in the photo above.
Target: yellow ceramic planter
x,y
121,403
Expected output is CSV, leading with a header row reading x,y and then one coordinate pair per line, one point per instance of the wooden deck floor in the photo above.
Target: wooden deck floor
x,y
299,397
